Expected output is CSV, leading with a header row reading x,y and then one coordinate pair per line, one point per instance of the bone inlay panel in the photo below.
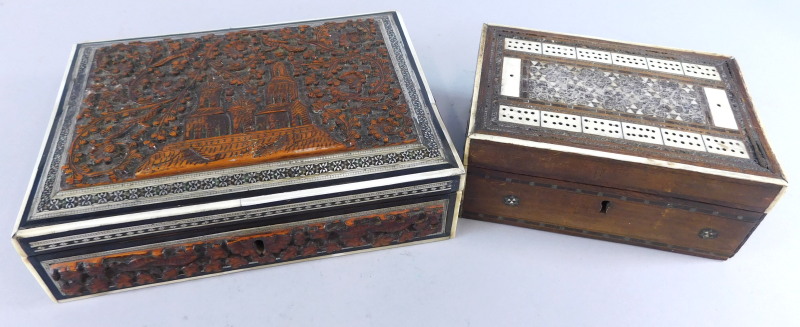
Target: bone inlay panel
x,y
593,87
701,71
725,146
519,115
629,60
721,111
511,76
558,51
524,46
642,133
594,55
665,66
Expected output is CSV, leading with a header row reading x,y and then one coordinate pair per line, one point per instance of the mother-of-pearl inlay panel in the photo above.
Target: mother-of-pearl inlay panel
x,y
593,87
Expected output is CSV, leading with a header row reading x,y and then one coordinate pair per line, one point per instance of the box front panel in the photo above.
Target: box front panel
x,y
87,271
618,174
615,215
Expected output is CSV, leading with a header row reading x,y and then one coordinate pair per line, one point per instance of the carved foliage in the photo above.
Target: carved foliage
x,y
143,267
143,96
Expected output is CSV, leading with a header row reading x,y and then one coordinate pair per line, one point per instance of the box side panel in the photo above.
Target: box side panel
x,y
682,184
616,215
119,266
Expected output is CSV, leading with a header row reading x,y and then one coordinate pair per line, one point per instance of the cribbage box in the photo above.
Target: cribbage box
x,y
615,141
189,155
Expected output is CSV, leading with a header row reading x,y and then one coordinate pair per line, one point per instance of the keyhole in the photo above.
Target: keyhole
x,y
604,206
259,247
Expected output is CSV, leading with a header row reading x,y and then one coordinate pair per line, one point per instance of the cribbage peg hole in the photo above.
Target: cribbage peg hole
x,y
605,206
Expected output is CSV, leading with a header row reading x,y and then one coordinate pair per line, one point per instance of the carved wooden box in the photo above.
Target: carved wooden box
x,y
190,155
621,142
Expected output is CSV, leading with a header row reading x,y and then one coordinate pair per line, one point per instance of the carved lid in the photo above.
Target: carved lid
x,y
205,117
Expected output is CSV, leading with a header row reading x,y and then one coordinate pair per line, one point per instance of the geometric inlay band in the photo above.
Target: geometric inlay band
x,y
195,222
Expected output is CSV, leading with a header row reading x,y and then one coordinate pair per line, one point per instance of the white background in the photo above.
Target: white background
x,y
490,275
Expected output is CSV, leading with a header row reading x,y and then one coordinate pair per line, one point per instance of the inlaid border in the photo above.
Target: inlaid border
x,y
195,222
662,204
